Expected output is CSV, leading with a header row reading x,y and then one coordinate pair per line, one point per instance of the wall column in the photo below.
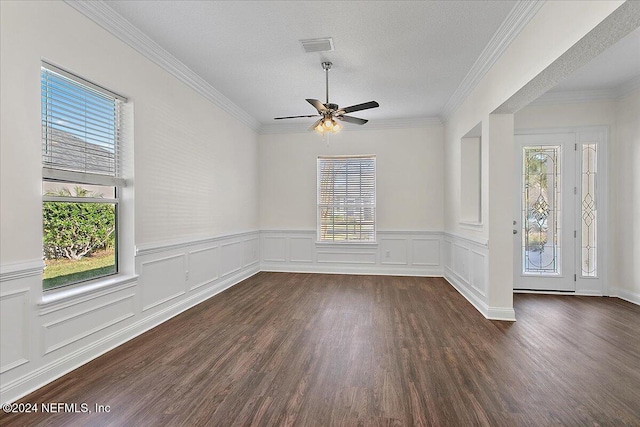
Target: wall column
x,y
500,216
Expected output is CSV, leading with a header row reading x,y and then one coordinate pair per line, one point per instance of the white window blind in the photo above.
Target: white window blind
x,y
81,129
347,198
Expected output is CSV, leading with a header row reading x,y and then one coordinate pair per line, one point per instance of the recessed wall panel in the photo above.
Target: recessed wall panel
x,y
274,248
204,266
393,251
231,257
162,280
14,328
426,252
301,249
251,251
67,330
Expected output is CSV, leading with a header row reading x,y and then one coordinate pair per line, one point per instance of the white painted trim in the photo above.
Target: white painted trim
x,y
352,258
100,13
36,379
555,130
19,270
632,297
573,97
454,281
501,313
370,270
566,293
515,21
89,332
54,305
150,248
302,126
582,96
61,298
24,294
475,241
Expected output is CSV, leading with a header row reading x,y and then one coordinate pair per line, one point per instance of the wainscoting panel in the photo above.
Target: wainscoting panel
x,y
479,272
204,266
353,256
251,248
70,329
232,257
301,249
466,269
14,347
412,253
426,252
394,251
44,339
163,279
461,261
274,249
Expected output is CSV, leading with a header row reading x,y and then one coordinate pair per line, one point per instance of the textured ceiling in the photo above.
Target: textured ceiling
x,y
409,56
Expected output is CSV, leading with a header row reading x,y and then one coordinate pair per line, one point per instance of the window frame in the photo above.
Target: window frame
x,y
319,206
64,176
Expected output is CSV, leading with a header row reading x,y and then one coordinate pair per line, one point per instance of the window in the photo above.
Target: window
x,y
347,199
81,128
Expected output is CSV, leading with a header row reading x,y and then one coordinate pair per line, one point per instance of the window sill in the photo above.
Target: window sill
x,y
472,225
64,295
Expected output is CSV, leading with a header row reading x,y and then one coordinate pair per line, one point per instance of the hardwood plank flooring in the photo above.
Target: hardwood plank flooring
x,y
284,349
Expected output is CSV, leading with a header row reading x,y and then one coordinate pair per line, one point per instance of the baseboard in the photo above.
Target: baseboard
x,y
38,378
480,305
501,313
632,297
507,314
366,271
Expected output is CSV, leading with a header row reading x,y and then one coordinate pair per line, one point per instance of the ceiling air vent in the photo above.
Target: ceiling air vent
x,y
317,45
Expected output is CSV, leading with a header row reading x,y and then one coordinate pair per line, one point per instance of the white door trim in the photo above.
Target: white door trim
x,y
587,286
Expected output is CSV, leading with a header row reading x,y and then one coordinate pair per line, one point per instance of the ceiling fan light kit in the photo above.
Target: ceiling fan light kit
x,y
331,113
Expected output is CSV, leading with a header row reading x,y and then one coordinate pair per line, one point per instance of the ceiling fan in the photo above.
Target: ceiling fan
x,y
329,113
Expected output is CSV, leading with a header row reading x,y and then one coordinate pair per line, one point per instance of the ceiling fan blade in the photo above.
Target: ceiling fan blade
x,y
313,126
351,119
318,105
294,117
358,107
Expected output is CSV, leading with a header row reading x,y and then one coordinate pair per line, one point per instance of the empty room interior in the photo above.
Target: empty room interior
x,y
320,213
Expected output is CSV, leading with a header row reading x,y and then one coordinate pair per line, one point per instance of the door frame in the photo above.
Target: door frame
x,y
583,134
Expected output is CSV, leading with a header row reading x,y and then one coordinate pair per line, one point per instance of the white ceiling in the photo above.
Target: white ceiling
x,y
410,56
418,59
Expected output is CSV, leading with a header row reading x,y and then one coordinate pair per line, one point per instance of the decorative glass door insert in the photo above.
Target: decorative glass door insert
x,y
588,207
541,210
559,223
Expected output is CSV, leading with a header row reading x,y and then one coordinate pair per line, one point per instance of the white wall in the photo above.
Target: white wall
x,y
409,198
621,117
625,212
409,175
540,43
196,199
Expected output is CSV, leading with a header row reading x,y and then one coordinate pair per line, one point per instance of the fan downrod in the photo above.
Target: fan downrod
x,y
326,66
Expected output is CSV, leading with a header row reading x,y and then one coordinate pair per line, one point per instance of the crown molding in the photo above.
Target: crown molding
x,y
628,87
580,96
100,13
513,24
573,97
300,127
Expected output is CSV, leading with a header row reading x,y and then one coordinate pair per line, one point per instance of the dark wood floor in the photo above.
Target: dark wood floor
x,y
310,349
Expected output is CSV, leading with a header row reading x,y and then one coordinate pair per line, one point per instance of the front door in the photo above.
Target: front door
x,y
558,223
544,224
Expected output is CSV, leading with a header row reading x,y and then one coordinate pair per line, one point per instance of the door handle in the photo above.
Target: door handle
x,y
515,231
